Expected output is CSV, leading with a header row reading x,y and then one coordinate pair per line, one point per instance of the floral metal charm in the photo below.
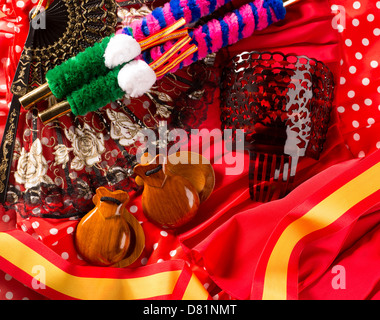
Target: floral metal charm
x,y
32,167
123,129
88,146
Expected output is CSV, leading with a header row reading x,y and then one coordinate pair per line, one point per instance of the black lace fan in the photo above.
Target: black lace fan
x,y
64,29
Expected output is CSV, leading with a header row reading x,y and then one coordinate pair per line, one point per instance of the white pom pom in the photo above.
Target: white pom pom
x,y
136,78
121,48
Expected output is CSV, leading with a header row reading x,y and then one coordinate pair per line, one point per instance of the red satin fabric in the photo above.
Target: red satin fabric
x,y
230,230
231,252
230,246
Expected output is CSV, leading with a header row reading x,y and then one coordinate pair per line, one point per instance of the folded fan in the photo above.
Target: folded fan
x,y
89,83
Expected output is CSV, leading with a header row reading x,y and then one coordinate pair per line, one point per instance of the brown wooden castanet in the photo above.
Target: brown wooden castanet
x,y
102,236
194,168
167,200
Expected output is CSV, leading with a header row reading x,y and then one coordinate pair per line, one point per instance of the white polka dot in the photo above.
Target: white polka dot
x,y
8,35
378,144
206,285
352,69
18,49
356,5
361,154
356,136
371,121
342,80
160,260
146,105
365,81
378,89
370,17
8,277
341,62
376,32
355,22
173,253
355,107
358,56
5,218
20,4
334,7
348,42
9,295
351,94
144,261
70,230
340,109
65,255
368,102
24,228
155,245
53,231
133,209
365,42
54,244
340,28
355,124
374,64
35,224
378,4
164,233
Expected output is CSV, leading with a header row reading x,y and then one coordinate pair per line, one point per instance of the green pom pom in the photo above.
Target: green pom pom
x,y
73,73
97,94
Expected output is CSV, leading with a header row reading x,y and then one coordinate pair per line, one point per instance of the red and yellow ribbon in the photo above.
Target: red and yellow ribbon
x,y
20,254
176,54
337,205
168,33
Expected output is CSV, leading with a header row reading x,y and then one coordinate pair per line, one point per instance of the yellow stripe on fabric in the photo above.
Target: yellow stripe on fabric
x,y
177,61
323,214
172,36
86,288
195,290
152,40
168,54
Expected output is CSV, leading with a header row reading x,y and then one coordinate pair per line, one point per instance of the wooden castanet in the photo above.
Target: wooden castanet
x,y
105,236
191,166
167,200
195,168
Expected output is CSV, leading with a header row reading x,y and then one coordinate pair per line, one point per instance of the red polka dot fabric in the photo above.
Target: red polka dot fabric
x,y
357,105
358,91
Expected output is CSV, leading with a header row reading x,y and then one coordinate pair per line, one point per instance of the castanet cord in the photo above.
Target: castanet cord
x,y
110,199
153,171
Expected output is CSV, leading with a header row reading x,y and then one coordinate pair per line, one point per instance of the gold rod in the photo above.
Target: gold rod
x,y
54,112
36,95
37,10
289,2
